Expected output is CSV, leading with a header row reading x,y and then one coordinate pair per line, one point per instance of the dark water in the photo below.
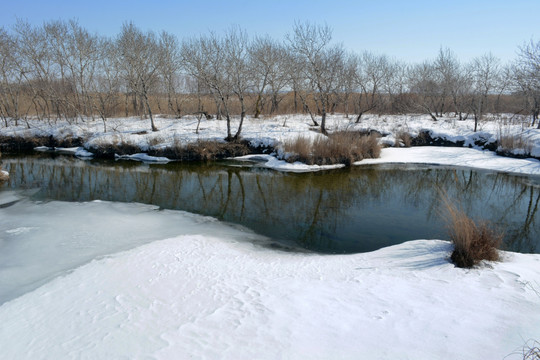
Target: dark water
x,y
341,211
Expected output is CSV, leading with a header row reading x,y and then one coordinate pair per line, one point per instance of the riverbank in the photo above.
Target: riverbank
x,y
185,139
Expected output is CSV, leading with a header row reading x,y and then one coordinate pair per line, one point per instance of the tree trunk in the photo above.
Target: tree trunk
x,y
153,126
257,107
358,117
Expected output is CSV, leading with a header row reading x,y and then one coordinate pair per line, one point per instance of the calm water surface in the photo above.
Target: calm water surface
x,y
341,211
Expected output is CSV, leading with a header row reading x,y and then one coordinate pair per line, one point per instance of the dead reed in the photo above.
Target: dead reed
x,y
337,148
473,241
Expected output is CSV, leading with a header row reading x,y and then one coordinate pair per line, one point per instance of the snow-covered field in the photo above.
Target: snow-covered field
x,y
205,289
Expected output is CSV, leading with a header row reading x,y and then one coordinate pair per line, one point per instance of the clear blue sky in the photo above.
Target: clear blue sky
x,y
407,30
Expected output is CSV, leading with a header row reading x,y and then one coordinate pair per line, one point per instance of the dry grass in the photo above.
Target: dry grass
x,y
531,351
337,148
299,148
473,242
202,150
508,144
403,138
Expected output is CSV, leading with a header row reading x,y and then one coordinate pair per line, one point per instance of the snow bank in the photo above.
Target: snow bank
x,y
198,296
78,151
452,156
40,241
144,158
271,162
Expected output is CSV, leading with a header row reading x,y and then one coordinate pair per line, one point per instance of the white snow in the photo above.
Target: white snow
x,y
215,294
144,158
272,162
452,156
77,151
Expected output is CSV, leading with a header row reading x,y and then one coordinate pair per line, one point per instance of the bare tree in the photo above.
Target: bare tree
x,y
450,78
11,78
371,72
527,77
319,63
424,86
106,84
266,63
37,67
485,75
170,69
140,60
395,87
347,82
237,72
76,53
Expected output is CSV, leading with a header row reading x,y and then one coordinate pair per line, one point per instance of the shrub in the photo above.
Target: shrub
x,y
514,145
299,149
403,137
202,150
338,148
473,242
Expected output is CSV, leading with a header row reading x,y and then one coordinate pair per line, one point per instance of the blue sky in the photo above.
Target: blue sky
x,y
407,30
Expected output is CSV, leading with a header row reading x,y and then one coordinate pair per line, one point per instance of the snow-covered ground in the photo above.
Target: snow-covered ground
x,y
204,289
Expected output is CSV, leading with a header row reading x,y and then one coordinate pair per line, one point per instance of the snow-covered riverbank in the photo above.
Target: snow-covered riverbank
x,y
272,131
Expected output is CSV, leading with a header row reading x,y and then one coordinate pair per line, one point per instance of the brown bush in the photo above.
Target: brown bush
x,y
473,242
404,138
509,143
337,148
202,150
299,148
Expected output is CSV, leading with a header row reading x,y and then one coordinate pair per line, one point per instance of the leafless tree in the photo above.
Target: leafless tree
x,y
205,59
527,77
348,85
170,69
450,78
485,76
237,72
395,87
371,72
37,66
424,85
268,73
319,63
11,78
141,57
105,86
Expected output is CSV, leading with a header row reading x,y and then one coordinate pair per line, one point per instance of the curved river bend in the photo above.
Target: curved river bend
x,y
349,210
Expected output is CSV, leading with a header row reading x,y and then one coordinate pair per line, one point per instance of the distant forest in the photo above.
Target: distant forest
x,y
61,71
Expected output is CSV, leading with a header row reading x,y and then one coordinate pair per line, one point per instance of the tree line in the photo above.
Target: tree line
x,y
60,70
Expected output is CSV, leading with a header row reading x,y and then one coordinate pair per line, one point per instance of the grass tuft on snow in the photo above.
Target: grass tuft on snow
x,y
473,241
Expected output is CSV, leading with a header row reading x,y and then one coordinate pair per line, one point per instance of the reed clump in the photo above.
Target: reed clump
x,y
337,148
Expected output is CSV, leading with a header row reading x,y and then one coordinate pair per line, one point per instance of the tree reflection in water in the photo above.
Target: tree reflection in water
x,y
341,211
